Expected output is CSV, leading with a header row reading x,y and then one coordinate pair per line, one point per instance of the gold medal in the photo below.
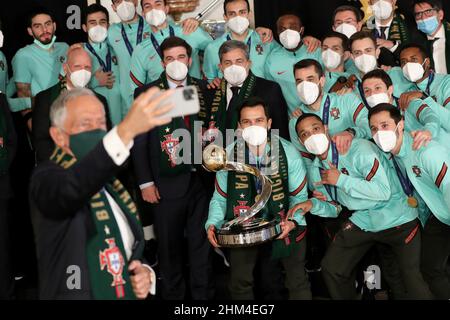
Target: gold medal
x,y
257,198
412,202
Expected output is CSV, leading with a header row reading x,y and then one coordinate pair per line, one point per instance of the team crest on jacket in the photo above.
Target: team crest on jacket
x,y
111,259
416,171
335,113
344,171
241,209
170,146
62,59
259,48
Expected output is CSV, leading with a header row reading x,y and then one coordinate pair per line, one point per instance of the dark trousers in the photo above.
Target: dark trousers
x,y
350,245
6,274
435,254
244,260
175,221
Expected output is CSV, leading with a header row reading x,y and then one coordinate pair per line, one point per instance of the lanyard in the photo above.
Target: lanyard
x,y
249,41
326,111
139,35
156,44
430,81
335,159
407,186
106,66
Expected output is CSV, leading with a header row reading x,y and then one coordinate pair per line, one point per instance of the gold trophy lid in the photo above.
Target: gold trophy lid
x,y
214,158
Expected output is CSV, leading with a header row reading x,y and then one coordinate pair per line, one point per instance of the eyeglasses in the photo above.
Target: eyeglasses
x,y
427,13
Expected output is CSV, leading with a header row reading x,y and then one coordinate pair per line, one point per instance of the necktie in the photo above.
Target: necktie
x,y
187,118
232,106
383,33
431,43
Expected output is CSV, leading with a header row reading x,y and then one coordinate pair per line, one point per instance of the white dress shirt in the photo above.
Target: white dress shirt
x,y
119,153
439,58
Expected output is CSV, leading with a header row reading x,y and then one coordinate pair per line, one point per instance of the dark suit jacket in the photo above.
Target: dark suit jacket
x,y
146,154
11,145
271,93
62,220
42,141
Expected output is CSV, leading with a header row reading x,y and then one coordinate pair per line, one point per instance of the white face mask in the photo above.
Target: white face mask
x,y
308,92
238,24
126,11
1,39
317,144
377,98
235,74
346,29
413,71
386,140
155,17
382,10
331,59
80,78
254,135
177,70
290,39
98,34
366,63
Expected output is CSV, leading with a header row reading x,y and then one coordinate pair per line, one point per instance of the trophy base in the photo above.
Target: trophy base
x,y
253,233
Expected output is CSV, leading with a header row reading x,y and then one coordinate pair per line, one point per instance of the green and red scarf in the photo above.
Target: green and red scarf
x,y
218,112
241,193
170,144
107,261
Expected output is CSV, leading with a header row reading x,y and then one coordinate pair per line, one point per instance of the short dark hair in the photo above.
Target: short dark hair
x,y
394,112
226,2
306,116
358,13
94,8
306,63
231,45
172,42
165,3
360,36
378,74
254,102
437,4
422,49
343,37
290,13
35,11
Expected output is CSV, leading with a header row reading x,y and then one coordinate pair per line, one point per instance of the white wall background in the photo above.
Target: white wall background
x,y
215,14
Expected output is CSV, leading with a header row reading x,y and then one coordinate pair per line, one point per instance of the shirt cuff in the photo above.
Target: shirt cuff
x,y
146,185
394,47
116,149
153,276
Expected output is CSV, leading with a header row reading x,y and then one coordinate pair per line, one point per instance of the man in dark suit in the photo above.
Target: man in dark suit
x,y
240,83
88,237
8,146
429,15
176,188
77,69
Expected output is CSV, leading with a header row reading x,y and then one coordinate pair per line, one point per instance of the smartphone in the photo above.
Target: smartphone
x,y
185,102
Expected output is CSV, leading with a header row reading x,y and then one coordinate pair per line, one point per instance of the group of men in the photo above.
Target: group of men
x,y
354,126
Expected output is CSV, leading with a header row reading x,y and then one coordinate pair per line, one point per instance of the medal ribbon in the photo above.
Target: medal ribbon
x,y
156,44
139,36
105,66
407,186
335,159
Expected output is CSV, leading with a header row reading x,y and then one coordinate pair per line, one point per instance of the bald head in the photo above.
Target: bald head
x,y
77,59
289,21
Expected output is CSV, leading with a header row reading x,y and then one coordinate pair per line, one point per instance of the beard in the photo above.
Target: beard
x,y
44,38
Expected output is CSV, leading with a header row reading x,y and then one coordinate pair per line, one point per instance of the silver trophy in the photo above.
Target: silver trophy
x,y
245,230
